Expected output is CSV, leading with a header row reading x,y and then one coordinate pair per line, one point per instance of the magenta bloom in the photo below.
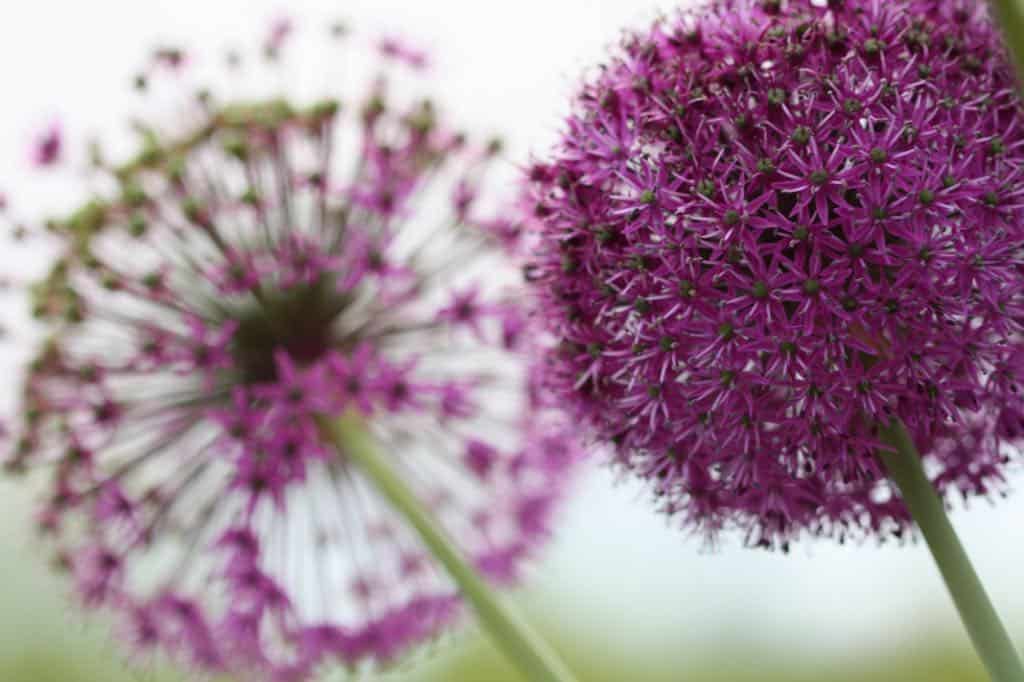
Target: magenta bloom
x,y
260,265
48,146
770,226
399,50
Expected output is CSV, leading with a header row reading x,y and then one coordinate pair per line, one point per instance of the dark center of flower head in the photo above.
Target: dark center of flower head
x,y
299,321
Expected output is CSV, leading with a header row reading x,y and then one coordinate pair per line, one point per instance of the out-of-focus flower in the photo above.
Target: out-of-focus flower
x,y
48,146
261,265
280,30
770,226
400,50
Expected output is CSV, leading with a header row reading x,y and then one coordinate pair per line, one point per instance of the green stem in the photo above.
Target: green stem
x,y
1009,15
976,611
509,631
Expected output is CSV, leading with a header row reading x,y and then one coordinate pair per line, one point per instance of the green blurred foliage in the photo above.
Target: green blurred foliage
x,y
59,648
933,658
45,637
90,660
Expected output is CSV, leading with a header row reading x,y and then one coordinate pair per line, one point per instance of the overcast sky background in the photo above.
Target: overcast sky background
x,y
509,67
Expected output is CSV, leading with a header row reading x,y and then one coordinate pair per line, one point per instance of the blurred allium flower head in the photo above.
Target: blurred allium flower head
x,y
770,226
260,263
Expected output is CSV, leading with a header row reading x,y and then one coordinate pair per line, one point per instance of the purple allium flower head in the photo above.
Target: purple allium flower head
x,y
769,226
256,266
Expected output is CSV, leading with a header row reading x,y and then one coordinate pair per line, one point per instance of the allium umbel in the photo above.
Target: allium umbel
x,y
770,227
260,266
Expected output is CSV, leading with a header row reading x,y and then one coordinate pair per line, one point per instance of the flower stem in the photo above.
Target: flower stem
x,y
976,611
535,659
1009,15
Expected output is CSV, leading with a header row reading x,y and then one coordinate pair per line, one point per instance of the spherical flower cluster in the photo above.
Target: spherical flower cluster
x,y
771,226
260,266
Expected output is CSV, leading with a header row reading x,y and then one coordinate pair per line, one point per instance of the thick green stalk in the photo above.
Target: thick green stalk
x,y
976,611
1009,15
535,659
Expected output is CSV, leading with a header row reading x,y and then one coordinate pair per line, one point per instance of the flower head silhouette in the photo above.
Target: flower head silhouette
x,y
261,264
771,226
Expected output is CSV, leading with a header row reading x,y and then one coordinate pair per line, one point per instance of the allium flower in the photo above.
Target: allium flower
x,y
770,227
260,266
